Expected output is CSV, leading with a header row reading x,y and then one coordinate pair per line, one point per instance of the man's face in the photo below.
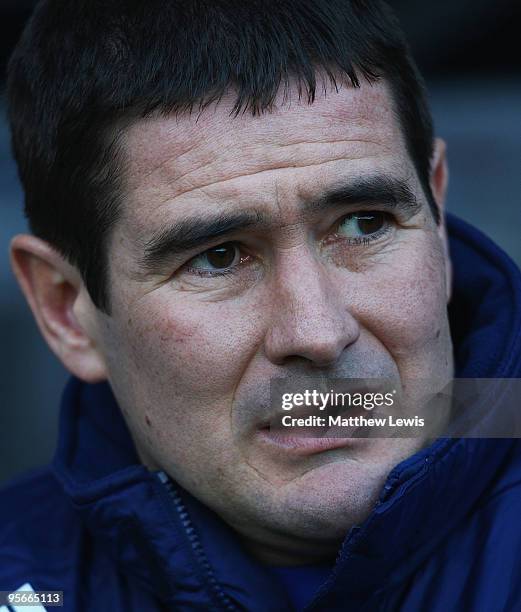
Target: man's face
x,y
242,255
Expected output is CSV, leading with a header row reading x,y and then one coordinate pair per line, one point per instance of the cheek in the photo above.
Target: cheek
x,y
175,368
408,310
198,349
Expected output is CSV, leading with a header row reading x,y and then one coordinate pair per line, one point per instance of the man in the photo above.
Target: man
x,y
222,194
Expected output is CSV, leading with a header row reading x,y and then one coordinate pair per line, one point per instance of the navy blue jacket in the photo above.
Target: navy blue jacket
x,y
445,534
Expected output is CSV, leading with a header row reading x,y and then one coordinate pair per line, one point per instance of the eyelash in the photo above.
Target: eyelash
x,y
221,273
357,241
211,274
364,240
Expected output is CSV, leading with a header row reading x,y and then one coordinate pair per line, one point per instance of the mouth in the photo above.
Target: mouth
x,y
312,437
307,427
300,444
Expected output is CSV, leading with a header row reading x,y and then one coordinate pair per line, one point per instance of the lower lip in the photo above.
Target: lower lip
x,y
305,445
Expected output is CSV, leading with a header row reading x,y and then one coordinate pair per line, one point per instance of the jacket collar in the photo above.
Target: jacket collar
x,y
172,546
142,526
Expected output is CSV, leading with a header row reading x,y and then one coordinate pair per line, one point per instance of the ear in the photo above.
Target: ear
x,y
58,299
439,180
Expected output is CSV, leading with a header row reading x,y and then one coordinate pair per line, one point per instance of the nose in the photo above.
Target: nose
x,y
310,315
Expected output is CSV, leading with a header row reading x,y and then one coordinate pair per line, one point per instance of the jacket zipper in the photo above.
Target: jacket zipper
x,y
197,547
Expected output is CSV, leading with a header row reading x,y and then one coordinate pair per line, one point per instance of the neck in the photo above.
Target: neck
x,y
292,553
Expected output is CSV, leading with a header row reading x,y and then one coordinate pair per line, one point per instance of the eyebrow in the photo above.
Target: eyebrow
x,y
381,190
195,232
191,233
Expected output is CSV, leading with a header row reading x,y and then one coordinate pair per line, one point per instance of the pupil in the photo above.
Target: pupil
x,y
221,256
370,223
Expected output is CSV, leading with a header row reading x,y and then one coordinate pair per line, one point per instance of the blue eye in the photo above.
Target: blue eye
x,y
361,224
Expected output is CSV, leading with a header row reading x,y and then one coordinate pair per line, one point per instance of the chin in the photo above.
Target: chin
x,y
328,500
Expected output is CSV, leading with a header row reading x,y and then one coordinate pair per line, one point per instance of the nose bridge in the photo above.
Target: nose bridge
x,y
310,316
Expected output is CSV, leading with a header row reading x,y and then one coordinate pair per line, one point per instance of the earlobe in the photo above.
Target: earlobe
x,y
52,287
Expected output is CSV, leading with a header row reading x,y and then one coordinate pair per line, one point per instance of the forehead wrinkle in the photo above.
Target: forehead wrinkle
x,y
162,164
215,129
271,168
138,172
228,201
204,142
307,142
261,158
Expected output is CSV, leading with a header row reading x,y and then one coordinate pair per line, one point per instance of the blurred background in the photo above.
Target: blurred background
x,y
469,52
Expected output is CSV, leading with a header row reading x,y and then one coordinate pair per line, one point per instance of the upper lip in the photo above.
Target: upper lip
x,y
304,411
269,413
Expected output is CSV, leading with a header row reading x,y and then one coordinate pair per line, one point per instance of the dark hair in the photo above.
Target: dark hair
x,y
84,69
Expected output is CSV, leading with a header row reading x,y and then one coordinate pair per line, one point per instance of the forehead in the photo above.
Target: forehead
x,y
192,157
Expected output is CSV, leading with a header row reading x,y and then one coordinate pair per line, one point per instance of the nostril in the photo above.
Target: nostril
x,y
315,330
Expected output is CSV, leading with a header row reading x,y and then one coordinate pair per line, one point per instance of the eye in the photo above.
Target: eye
x,y
217,259
363,224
